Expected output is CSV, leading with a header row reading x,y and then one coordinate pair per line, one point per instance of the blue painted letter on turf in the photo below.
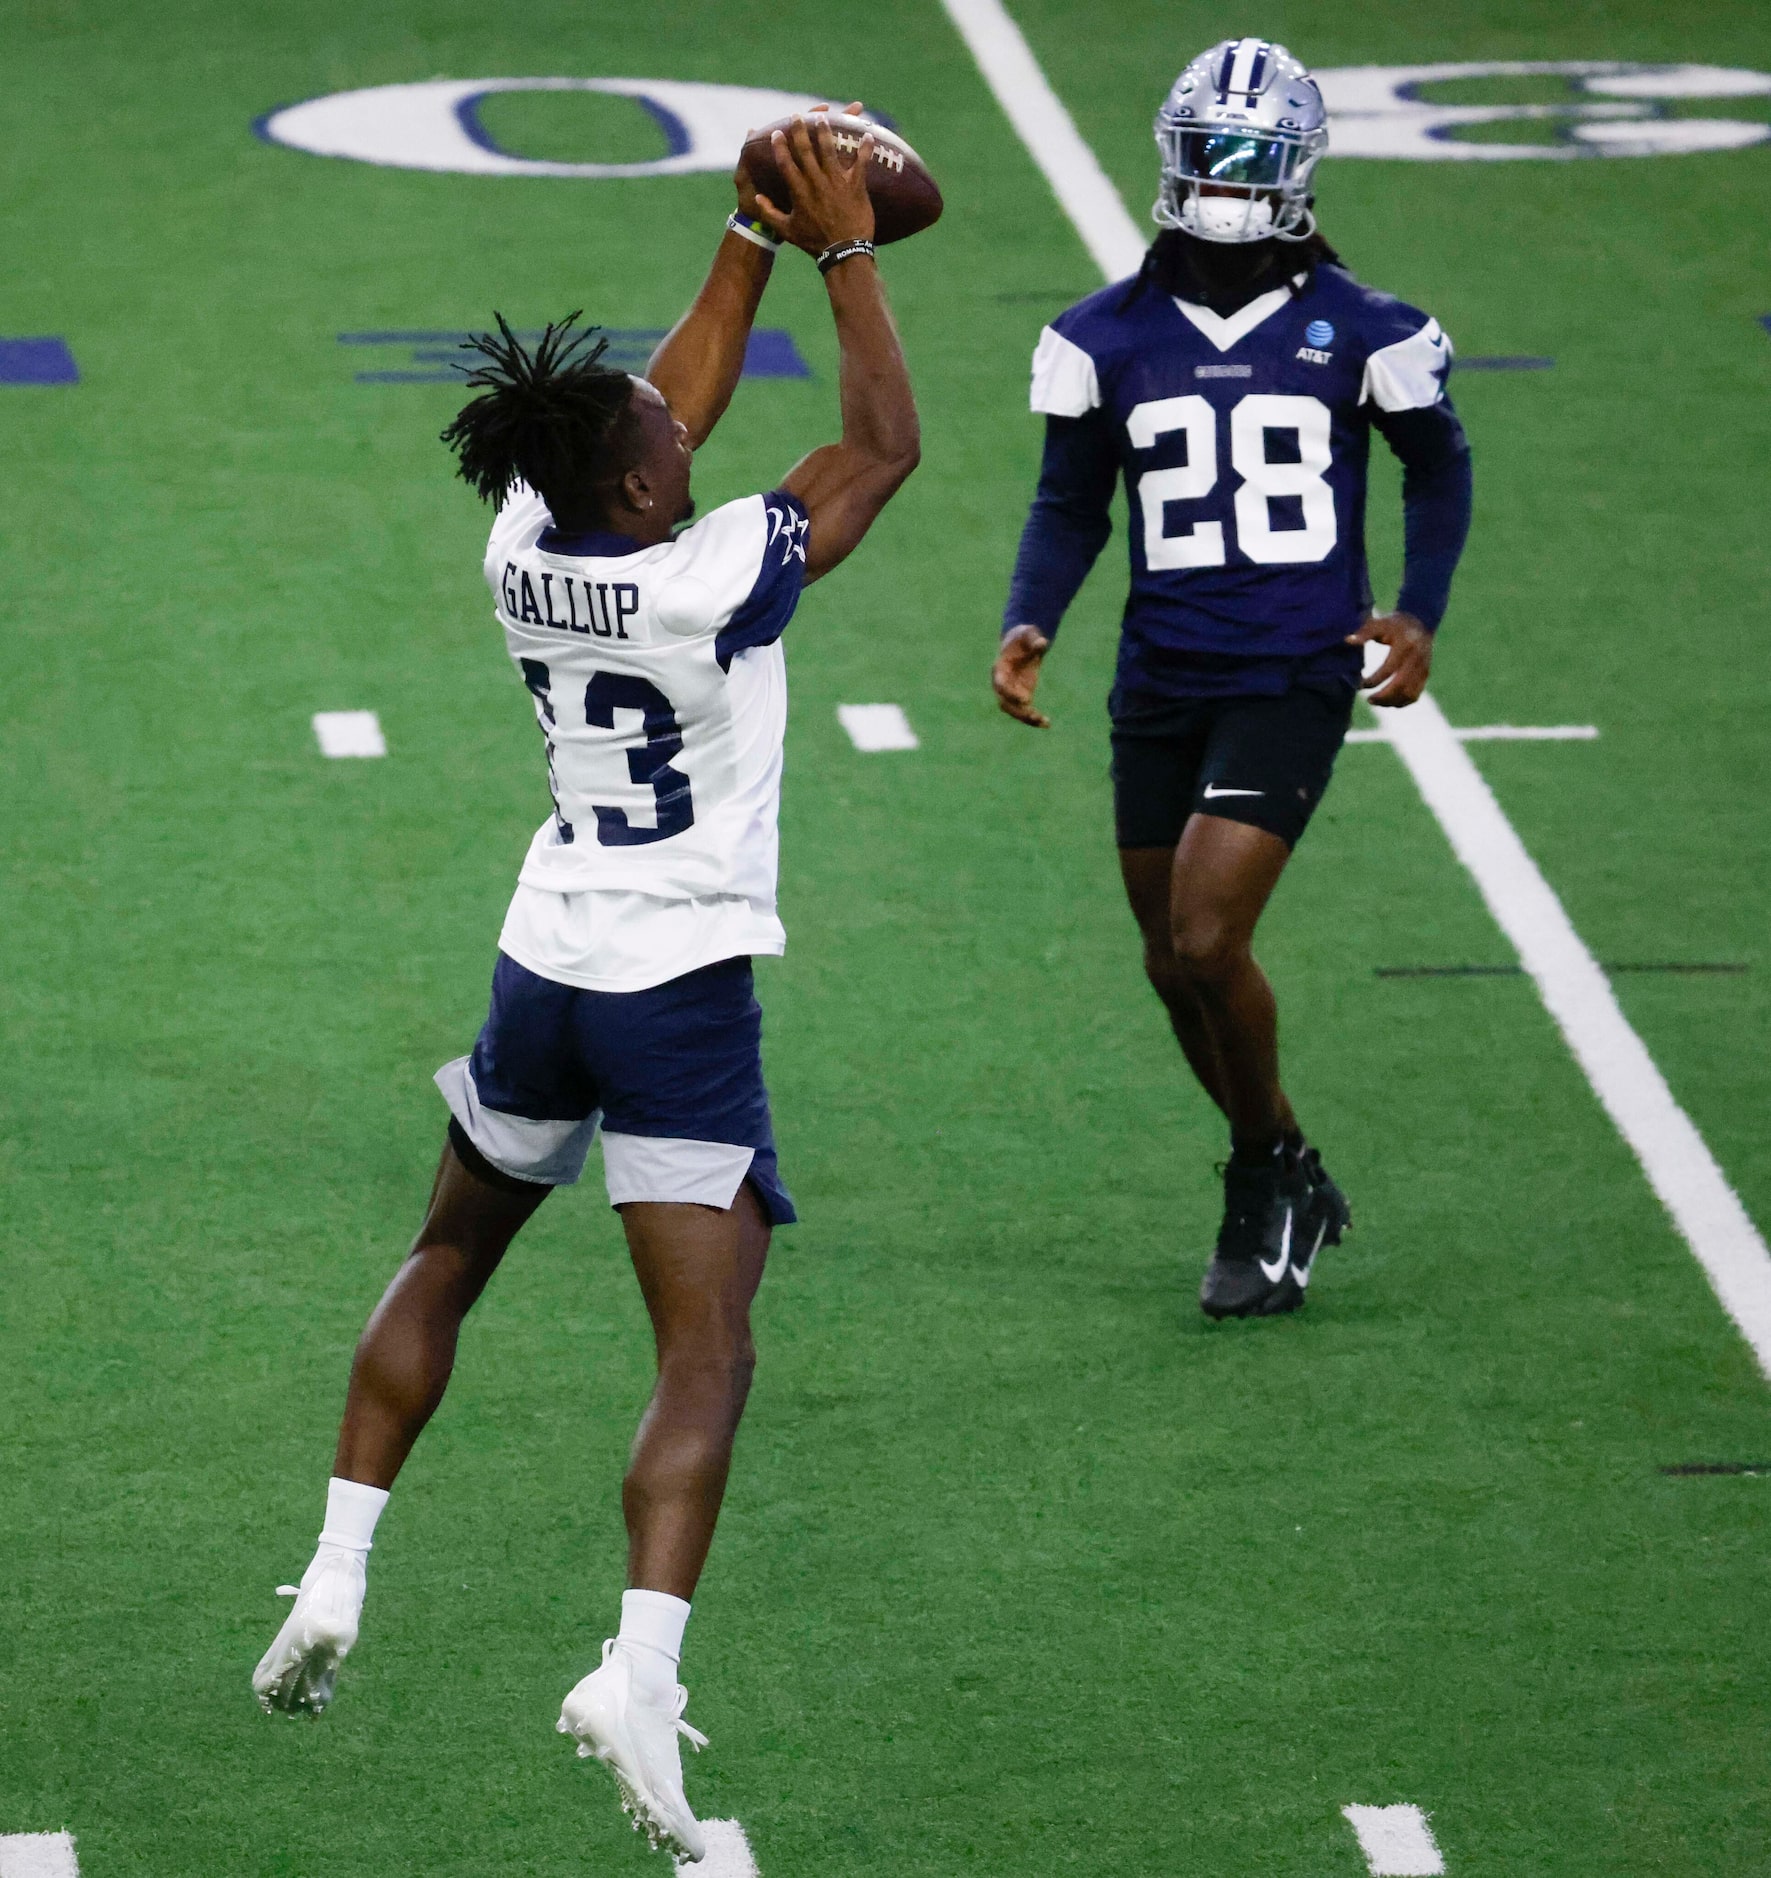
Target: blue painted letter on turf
x,y
37,362
433,358
771,353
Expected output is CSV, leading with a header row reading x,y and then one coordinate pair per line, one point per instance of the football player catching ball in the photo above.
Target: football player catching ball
x,y
622,994
1234,383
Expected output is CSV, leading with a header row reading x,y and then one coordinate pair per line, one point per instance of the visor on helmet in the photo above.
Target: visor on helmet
x,y
1243,158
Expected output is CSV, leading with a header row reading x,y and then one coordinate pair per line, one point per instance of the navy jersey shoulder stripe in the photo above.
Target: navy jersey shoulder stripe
x,y
762,615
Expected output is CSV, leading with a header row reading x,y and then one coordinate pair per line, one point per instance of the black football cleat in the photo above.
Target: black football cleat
x,y
1330,1199
1273,1224
1276,1219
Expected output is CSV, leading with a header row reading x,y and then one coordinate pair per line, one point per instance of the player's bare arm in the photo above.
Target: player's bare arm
x,y
846,484
1015,675
1402,677
699,361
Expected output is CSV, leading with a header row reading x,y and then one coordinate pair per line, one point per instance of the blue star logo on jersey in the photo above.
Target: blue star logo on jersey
x,y
1320,332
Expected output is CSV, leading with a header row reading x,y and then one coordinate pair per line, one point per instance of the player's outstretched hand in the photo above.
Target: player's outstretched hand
x,y
745,183
1403,675
1015,675
830,200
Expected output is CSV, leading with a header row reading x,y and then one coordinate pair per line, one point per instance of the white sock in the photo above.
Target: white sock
x,y
351,1512
652,1624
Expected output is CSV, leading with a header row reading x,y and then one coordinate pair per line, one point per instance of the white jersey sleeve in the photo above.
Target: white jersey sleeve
x,y
660,691
1066,382
1408,374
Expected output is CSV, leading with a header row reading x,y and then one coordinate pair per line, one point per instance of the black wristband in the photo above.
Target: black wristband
x,y
841,251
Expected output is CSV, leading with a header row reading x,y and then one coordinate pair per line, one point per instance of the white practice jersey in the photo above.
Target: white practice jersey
x,y
661,693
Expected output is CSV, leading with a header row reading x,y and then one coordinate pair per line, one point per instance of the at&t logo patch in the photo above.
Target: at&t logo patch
x,y
1319,333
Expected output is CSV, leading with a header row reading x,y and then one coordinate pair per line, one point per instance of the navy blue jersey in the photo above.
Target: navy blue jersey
x,y
1243,443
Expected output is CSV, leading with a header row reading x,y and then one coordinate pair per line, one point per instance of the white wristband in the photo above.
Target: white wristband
x,y
752,231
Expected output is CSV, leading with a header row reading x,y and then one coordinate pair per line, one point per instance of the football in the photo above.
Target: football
x,y
906,198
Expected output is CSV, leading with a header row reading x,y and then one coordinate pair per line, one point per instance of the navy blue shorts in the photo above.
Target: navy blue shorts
x,y
673,1075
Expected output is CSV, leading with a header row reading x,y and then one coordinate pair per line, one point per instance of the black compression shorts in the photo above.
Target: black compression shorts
x,y
1265,761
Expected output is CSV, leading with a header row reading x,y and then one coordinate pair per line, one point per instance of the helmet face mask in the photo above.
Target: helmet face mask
x,y
1239,136
1246,215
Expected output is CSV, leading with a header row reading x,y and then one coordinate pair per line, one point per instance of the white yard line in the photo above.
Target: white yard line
x,y
728,1851
1396,1840
877,727
38,1855
349,733
1578,995
1084,190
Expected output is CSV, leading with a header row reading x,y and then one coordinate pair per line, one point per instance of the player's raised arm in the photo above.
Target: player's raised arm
x,y
699,361
845,485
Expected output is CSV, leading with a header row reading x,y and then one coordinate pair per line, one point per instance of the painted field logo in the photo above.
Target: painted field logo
x,y
1608,110
436,125
1320,332
1605,109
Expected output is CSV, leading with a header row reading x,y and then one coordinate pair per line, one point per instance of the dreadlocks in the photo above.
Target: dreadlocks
x,y
1224,276
555,418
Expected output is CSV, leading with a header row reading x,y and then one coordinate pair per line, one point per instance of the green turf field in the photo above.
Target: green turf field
x,y
1026,1569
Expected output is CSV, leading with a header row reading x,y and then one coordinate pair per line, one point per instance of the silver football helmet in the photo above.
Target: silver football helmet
x,y
1247,120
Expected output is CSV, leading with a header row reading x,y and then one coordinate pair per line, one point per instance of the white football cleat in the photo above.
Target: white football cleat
x,y
299,1672
637,1741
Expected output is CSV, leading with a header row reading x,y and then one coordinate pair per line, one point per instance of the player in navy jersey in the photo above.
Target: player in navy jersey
x,y
621,997
1233,384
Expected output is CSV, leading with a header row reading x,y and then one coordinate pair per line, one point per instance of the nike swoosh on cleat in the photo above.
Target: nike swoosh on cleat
x,y
1274,1272
1212,792
1302,1272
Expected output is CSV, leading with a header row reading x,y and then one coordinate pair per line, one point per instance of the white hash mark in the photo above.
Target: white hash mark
x,y
349,733
877,727
38,1855
728,1851
1396,1840
1501,733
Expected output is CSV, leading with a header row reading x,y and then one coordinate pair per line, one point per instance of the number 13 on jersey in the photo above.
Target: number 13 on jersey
x,y
648,763
1262,480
